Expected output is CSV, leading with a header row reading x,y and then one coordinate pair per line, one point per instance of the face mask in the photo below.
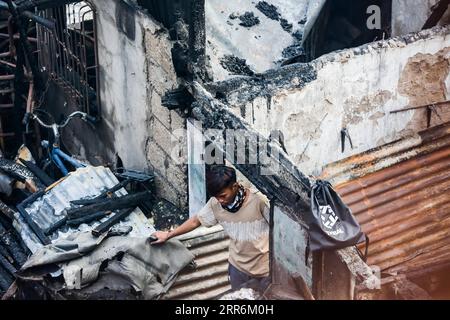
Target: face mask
x,y
238,201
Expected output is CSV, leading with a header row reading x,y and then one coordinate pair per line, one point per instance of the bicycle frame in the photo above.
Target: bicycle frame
x,y
57,156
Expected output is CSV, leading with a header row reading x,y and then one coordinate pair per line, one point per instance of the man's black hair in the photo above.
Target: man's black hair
x,y
219,177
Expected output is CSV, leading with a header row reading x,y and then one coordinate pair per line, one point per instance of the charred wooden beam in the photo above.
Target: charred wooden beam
x,y
21,171
87,218
12,245
52,229
287,185
6,254
7,265
109,205
437,14
103,195
38,172
7,211
14,175
179,98
197,42
5,280
105,226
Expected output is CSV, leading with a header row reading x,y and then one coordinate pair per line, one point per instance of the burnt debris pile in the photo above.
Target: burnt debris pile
x,y
87,214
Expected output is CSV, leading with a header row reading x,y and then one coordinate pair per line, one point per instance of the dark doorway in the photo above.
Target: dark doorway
x,y
346,24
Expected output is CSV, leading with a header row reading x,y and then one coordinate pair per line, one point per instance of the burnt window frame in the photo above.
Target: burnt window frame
x,y
66,61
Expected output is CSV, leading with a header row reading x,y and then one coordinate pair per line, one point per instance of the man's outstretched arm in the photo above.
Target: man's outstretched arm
x,y
189,225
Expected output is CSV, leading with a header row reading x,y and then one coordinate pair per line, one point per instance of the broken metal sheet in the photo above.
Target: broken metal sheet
x,y
148,269
210,277
85,183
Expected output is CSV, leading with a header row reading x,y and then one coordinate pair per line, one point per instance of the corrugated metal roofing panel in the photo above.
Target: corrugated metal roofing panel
x,y
403,205
85,183
210,278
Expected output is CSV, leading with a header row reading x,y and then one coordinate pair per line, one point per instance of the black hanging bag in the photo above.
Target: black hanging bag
x,y
332,224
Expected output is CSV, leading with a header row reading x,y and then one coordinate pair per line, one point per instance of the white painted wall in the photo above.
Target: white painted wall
x,y
289,246
123,90
135,71
261,45
357,92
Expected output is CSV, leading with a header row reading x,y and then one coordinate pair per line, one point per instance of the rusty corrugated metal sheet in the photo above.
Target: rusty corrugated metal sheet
x,y
210,278
400,195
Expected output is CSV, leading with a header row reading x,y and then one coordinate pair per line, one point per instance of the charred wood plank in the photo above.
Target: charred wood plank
x,y
6,254
52,229
113,204
179,98
10,166
105,226
14,175
287,184
7,265
87,219
359,268
102,195
12,245
38,172
7,211
5,280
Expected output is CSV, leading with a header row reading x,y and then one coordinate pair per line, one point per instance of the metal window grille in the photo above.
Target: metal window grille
x,y
69,53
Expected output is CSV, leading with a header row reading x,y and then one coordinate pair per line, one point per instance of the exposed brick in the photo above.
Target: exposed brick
x,y
160,112
177,122
156,156
177,176
163,137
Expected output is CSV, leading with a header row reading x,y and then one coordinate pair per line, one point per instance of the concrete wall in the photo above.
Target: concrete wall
x,y
410,15
289,245
356,89
136,70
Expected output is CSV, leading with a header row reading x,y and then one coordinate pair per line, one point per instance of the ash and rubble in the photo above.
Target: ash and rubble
x,y
72,237
37,237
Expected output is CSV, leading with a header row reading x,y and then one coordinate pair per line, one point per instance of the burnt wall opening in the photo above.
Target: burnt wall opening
x,y
342,25
185,20
69,53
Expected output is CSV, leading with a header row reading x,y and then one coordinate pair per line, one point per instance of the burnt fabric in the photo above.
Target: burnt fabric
x,y
88,263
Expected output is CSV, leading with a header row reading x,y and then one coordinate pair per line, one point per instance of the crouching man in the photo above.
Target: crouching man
x,y
244,215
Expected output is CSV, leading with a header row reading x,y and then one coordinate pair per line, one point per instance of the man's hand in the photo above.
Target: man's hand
x,y
162,237
189,225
